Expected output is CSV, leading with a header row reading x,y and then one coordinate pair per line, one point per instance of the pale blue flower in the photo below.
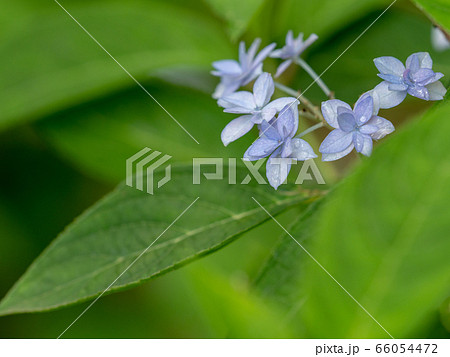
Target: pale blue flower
x,y
256,106
293,49
354,129
235,74
277,140
416,78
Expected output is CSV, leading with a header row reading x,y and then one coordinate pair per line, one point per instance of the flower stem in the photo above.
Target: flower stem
x,y
309,130
315,111
314,76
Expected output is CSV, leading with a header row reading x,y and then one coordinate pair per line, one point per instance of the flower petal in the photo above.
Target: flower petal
x,y
388,98
389,65
241,100
423,58
267,114
364,110
269,131
398,87
287,121
329,111
301,150
336,141
261,148
282,67
280,103
375,99
346,122
277,169
229,67
337,155
391,78
236,128
384,126
436,90
368,129
263,54
358,141
263,89
367,145
419,92
424,76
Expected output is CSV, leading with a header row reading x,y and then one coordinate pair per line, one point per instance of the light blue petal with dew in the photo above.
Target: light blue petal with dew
x,y
419,92
364,110
277,170
301,150
329,111
280,103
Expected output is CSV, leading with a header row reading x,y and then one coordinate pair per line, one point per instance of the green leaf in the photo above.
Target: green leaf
x,y
320,17
103,242
99,137
281,276
437,10
236,13
383,235
56,65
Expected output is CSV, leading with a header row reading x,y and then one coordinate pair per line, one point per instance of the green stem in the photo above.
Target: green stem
x,y
315,111
314,76
310,130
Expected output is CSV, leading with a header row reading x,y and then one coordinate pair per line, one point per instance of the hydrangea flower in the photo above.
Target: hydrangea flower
x,y
277,140
353,128
416,78
256,106
293,49
234,74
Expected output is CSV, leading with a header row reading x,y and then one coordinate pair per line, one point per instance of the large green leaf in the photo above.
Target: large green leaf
x,y
384,236
437,10
103,242
320,17
282,274
49,63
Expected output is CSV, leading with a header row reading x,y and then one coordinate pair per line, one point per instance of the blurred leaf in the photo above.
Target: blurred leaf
x,y
282,275
383,234
236,13
103,242
396,33
234,310
321,17
99,137
437,10
49,63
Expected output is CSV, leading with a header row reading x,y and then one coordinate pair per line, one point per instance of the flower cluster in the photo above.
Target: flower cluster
x,y
278,119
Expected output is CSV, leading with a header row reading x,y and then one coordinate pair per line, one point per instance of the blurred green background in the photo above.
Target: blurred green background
x,y
69,118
